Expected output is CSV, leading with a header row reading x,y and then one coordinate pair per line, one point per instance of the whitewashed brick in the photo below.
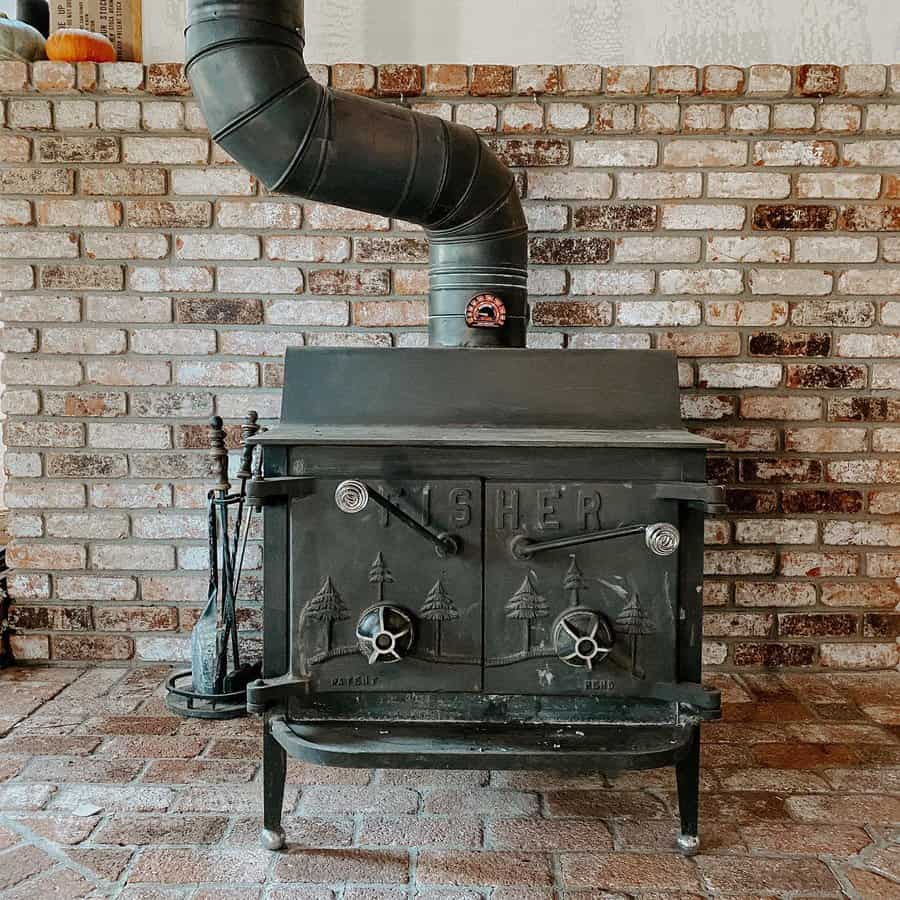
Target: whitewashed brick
x,y
658,249
867,345
75,115
259,343
613,118
174,341
307,312
872,153
87,526
30,115
703,217
126,372
740,375
41,371
564,185
769,80
659,118
128,557
794,153
165,150
612,282
748,249
18,340
701,281
839,117
480,116
544,282
262,214
547,217
20,403
793,117
617,340
694,153
749,118
217,246
115,308
659,185
793,282
46,495
102,245
869,281
655,313
260,280
119,115
94,341
164,279
305,248
121,76
817,249
163,115
219,182
750,185
216,374
568,116
837,185
614,153
776,531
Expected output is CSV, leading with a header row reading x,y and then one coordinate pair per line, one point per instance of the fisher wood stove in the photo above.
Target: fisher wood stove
x,y
474,558
483,560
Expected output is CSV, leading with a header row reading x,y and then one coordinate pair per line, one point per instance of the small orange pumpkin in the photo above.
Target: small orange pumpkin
x,y
79,45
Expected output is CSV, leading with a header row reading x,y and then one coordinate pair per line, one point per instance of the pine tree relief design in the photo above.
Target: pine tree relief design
x,y
380,575
439,608
327,606
528,605
574,582
634,621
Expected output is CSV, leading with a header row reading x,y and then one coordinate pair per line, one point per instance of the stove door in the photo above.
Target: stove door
x,y
378,608
591,618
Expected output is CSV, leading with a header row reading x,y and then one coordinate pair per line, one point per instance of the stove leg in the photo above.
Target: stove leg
x,y
274,775
687,774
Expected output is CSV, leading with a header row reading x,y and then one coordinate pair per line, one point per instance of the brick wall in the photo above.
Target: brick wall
x,y
743,218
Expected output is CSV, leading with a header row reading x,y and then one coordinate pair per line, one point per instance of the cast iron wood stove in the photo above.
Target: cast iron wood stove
x,y
483,560
473,559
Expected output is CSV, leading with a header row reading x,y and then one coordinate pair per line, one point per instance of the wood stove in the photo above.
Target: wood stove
x,y
483,559
473,559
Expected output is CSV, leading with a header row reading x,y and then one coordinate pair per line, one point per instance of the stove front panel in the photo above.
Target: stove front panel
x,y
371,572
608,606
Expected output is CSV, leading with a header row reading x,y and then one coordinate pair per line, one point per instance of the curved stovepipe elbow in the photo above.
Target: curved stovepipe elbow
x,y
246,67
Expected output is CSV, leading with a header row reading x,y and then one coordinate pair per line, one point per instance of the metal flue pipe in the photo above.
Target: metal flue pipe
x,y
245,64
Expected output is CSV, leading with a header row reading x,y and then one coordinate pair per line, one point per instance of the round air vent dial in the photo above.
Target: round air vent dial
x,y
385,634
582,638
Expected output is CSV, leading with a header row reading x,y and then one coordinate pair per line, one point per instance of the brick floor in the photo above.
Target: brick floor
x,y
103,794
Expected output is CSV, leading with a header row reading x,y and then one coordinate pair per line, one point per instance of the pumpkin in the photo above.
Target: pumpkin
x,y
78,45
19,41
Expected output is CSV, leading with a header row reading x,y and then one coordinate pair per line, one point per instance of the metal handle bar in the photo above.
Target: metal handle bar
x,y
353,497
661,538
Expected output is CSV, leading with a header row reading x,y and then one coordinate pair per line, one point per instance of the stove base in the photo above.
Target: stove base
x,y
572,748
442,745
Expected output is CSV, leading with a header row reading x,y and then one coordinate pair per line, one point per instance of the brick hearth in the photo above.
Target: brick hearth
x,y
104,794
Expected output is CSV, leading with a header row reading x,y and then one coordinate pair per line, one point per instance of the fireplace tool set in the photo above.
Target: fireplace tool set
x,y
218,689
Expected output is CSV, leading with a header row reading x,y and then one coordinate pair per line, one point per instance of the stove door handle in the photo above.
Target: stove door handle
x,y
661,538
353,497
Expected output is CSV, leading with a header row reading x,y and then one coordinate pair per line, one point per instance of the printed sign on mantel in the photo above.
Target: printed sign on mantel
x,y
119,20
